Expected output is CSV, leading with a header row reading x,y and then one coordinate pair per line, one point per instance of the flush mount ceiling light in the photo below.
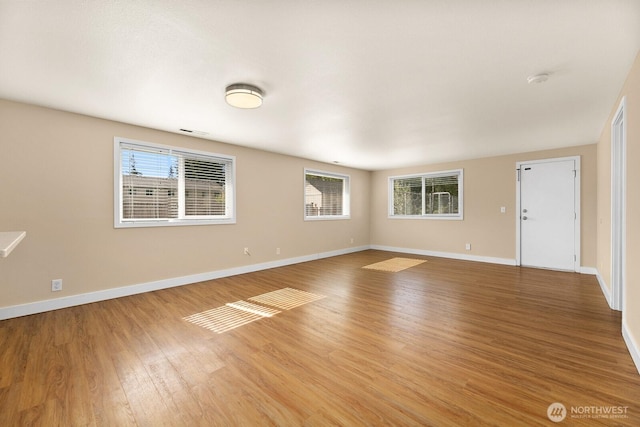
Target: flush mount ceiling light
x,y
242,95
538,78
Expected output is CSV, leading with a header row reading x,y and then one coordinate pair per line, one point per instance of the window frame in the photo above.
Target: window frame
x,y
455,216
182,220
346,195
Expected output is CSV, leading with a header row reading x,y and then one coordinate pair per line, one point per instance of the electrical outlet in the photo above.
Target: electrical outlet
x,y
277,251
352,240
467,246
56,285
246,251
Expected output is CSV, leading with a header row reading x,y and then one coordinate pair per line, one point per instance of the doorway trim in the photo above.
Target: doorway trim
x,y
576,199
618,206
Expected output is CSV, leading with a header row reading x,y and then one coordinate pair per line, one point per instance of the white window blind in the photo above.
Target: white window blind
x,y
158,185
149,183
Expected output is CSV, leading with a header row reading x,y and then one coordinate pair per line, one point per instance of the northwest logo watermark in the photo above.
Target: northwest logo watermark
x,y
557,412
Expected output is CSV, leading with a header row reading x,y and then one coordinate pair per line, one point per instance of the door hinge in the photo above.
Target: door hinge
x,y
575,173
518,175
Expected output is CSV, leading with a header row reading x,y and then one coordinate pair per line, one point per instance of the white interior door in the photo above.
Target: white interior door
x,y
548,214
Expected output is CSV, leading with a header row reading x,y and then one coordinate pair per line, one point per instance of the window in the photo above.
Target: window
x,y
157,185
326,195
429,195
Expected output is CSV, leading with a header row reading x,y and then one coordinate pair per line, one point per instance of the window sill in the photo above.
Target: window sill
x,y
152,223
326,218
438,217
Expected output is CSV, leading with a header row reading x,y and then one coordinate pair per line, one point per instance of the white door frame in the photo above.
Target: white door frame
x,y
576,192
618,206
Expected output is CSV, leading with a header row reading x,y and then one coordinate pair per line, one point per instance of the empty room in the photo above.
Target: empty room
x,y
319,213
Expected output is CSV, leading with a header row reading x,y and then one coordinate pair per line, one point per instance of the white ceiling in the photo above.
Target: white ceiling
x,y
370,84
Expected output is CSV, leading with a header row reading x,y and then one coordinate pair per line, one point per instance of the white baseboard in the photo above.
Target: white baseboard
x,y
86,298
490,260
89,297
588,270
605,289
632,345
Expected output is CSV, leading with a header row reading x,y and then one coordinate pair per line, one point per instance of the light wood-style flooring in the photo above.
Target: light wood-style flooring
x,y
443,343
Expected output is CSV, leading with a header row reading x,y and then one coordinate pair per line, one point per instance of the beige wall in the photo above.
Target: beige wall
x,y
631,308
489,184
57,184
60,172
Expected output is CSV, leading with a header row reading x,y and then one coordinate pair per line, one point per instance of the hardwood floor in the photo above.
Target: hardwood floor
x,y
443,343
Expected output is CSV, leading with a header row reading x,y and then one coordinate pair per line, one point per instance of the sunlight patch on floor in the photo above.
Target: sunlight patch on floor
x,y
222,319
395,264
253,308
239,313
286,298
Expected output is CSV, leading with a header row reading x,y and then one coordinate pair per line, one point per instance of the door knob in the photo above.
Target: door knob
x,y
524,210
524,218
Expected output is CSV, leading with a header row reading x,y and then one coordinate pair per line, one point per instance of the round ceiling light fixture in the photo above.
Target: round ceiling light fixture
x,y
538,78
241,95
